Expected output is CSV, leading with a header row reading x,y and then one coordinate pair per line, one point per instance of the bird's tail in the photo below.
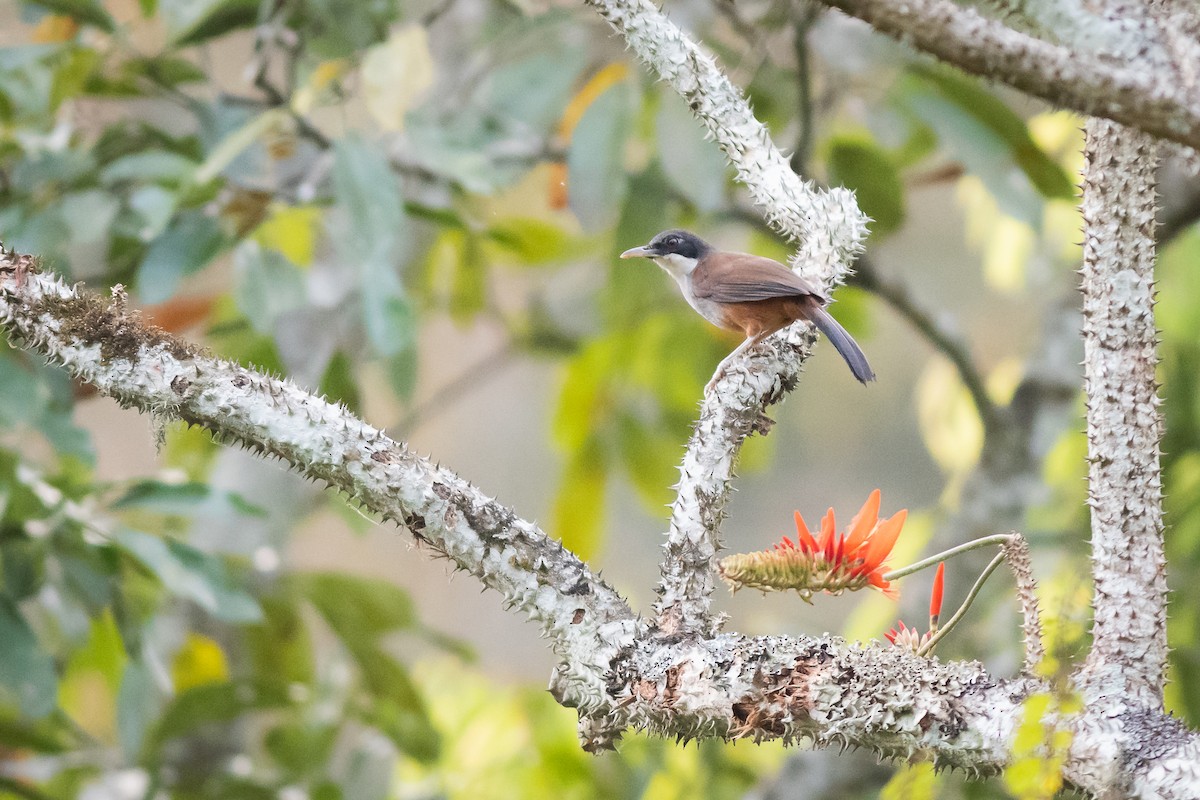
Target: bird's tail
x,y
842,341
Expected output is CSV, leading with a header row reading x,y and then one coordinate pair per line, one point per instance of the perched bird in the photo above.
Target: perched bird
x,y
746,293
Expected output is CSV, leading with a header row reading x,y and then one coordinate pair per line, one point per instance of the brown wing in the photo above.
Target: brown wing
x,y
745,278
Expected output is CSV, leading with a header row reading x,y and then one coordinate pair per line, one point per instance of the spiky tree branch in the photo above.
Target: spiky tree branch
x,y
829,229
1146,94
109,347
1124,426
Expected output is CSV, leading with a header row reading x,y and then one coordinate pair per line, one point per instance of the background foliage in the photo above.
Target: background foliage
x,y
313,185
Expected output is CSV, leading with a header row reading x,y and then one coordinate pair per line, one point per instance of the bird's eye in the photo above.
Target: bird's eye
x,y
672,241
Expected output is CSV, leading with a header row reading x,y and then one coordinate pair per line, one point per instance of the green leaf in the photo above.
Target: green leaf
x,y
72,74
358,609
22,396
22,564
191,574
859,164
267,285
165,70
89,12
1050,179
92,213
596,182
339,383
532,90
532,242
579,507
584,400
912,782
370,772
280,644
139,703
468,293
694,165
183,499
301,748
650,455
150,166
187,246
208,20
396,707
215,703
373,234
27,675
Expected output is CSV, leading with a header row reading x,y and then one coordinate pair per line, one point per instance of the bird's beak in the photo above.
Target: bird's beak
x,y
639,252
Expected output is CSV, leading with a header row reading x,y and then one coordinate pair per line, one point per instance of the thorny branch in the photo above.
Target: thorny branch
x,y
1146,97
829,229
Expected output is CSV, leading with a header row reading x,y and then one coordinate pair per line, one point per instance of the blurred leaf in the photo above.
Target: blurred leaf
x,y
267,285
90,12
579,506
369,771
200,661
531,242
208,19
396,75
1039,750
950,424
402,373
1050,179
139,703
183,499
692,163
280,644
531,91
187,246
651,456
396,708
343,28
358,609
468,294
154,207
164,70
49,735
859,164
915,781
88,690
595,159
151,166
339,383
583,397
215,703
374,236
72,74
91,213
191,574
27,676
301,748
22,564
238,131
292,231
22,398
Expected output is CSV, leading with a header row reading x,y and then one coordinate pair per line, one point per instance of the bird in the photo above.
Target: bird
x,y
751,294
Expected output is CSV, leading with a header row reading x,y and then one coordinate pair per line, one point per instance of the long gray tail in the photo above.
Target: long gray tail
x,y
843,342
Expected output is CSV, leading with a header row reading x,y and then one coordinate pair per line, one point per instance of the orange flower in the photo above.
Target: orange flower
x,y
903,636
825,561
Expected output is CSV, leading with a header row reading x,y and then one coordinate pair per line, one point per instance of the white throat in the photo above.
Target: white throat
x,y
678,267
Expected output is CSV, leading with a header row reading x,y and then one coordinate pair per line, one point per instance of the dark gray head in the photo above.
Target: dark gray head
x,y
673,242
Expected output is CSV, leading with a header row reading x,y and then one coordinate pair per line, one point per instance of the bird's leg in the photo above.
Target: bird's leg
x,y
723,367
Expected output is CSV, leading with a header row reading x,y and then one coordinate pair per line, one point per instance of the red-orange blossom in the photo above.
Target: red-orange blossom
x,y
823,561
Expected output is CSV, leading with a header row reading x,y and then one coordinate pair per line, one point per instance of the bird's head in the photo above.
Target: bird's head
x,y
676,251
